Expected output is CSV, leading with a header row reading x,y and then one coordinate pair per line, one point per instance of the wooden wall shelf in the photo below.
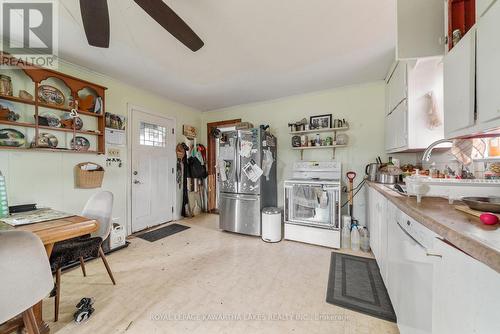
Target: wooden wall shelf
x,y
75,85
331,130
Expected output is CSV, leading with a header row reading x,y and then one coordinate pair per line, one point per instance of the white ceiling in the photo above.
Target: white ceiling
x,y
254,50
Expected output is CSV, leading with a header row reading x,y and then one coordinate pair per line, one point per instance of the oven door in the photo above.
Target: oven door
x,y
312,204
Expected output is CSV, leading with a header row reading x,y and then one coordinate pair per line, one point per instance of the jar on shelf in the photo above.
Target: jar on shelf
x,y
494,149
5,85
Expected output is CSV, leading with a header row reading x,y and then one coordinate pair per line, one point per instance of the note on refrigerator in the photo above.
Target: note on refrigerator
x,y
252,171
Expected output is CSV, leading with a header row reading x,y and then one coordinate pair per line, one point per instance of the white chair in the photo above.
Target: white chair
x,y
98,207
25,276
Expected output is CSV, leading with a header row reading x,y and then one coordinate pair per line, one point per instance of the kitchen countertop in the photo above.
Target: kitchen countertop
x,y
464,231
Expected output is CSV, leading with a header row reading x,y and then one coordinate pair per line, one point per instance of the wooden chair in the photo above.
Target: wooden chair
x,y
25,275
98,207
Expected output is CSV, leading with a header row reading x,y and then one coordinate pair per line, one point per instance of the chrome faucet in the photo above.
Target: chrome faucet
x,y
428,151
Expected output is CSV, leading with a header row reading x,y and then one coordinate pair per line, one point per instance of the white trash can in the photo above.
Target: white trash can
x,y
271,224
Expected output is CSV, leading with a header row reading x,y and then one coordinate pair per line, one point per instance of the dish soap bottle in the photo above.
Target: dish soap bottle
x,y
4,207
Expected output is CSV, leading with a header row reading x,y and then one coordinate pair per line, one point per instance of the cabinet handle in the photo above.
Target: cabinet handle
x,y
434,254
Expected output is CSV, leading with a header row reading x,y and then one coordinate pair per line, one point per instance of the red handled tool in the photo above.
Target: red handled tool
x,y
350,176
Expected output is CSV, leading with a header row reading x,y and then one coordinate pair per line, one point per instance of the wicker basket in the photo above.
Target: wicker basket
x,y
88,179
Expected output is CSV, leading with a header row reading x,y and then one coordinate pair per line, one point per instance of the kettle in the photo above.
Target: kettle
x,y
372,170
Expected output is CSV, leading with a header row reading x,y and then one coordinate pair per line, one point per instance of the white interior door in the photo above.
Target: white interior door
x,y
153,170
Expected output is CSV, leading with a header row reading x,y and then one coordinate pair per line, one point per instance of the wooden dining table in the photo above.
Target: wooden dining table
x,y
49,232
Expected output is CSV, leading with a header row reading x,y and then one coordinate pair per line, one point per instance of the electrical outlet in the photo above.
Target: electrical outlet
x,y
114,152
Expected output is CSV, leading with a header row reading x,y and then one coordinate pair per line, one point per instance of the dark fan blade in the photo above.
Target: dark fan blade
x,y
95,18
169,20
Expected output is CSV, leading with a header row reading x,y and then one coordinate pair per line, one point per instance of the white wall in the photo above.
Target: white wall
x,y
362,106
47,178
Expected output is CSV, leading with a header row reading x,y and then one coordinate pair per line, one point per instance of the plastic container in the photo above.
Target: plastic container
x,y
4,206
355,239
365,239
271,224
346,232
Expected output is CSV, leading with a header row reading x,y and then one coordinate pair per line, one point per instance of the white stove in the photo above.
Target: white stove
x,y
312,203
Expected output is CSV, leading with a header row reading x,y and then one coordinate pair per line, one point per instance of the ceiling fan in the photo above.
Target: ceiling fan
x,y
95,16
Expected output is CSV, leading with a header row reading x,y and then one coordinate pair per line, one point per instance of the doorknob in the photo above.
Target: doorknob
x,y
135,172
137,182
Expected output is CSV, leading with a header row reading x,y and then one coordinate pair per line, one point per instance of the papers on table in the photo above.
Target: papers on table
x,y
36,216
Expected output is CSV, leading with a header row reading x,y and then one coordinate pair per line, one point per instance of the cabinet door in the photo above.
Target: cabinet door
x,y
459,87
488,69
453,291
397,86
400,125
466,294
374,222
481,7
419,28
389,135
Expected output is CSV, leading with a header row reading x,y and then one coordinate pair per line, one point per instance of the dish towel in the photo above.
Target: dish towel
x,y
464,150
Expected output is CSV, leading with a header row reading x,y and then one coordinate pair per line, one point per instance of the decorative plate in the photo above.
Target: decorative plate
x,y
67,121
11,137
80,143
51,95
46,140
52,119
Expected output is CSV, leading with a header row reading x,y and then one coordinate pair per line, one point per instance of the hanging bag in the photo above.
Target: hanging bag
x,y
198,171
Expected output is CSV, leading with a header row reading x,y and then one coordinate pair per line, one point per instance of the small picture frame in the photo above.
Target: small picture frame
x,y
321,122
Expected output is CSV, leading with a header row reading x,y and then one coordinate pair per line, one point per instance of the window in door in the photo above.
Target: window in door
x,y
152,135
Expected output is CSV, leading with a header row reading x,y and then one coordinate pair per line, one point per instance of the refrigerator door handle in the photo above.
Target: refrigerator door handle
x,y
239,197
238,161
236,165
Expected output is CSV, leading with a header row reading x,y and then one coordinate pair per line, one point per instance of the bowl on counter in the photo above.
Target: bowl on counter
x,y
484,204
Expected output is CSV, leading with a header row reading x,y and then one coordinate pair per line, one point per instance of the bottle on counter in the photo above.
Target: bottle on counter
x,y
4,207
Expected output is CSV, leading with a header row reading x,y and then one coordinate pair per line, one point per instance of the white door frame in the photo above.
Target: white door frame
x,y
131,107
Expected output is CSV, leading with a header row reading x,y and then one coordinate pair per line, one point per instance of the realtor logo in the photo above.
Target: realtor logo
x,y
29,31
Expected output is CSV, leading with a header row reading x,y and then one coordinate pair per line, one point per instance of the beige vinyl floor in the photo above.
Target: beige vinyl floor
x,y
203,280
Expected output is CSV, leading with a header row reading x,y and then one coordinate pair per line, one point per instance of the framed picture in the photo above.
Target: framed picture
x,y
321,121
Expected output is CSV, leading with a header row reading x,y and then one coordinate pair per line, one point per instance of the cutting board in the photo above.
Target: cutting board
x,y
466,209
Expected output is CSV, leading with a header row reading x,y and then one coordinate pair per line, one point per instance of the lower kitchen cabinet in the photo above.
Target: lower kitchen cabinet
x,y
377,225
435,289
466,294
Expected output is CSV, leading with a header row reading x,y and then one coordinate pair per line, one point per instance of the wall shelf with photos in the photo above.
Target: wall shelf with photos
x,y
300,130
37,111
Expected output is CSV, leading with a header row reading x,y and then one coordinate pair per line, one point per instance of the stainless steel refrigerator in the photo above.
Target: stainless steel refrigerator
x,y
246,166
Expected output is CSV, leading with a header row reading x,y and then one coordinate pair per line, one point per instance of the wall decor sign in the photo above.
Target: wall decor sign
x,y
189,131
321,121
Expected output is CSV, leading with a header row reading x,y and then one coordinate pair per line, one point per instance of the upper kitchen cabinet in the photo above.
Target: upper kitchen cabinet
x,y
416,121
397,86
482,6
420,28
488,70
472,78
460,17
459,87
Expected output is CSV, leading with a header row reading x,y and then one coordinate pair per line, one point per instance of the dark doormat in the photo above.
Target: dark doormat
x,y
355,283
162,232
